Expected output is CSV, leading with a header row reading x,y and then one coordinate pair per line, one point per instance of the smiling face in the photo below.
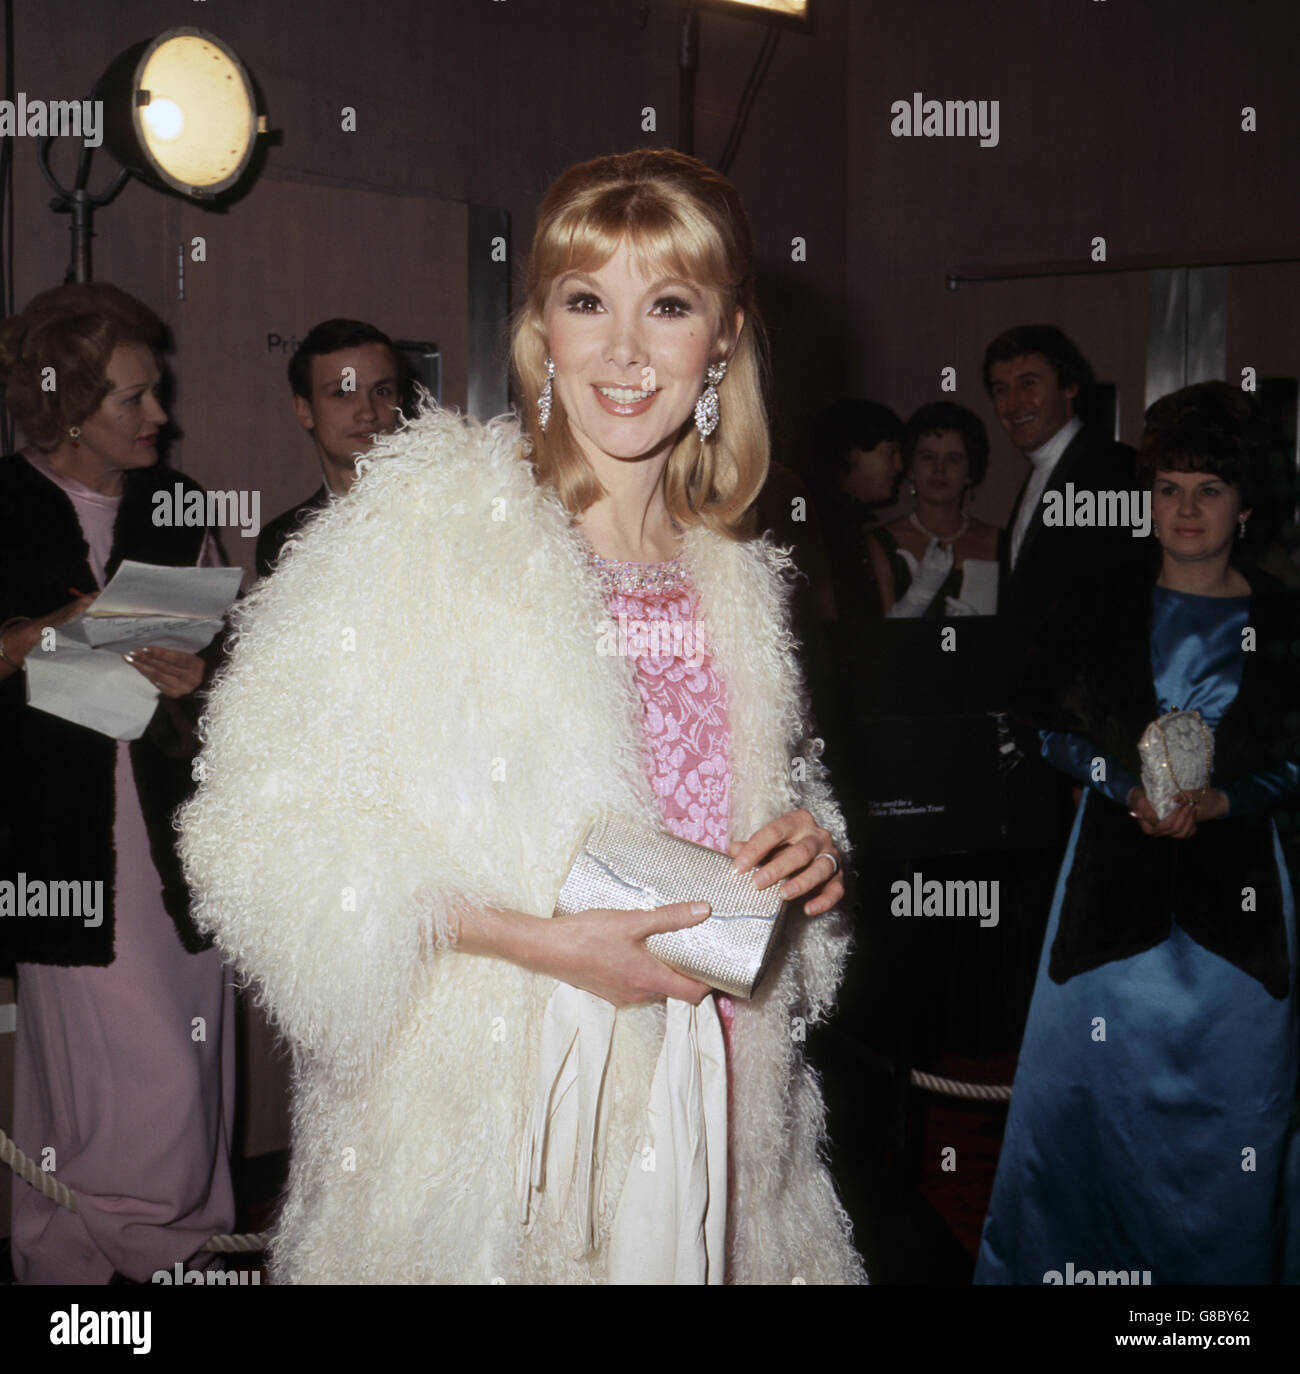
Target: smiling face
x,y
941,468
123,433
1195,515
1029,399
630,353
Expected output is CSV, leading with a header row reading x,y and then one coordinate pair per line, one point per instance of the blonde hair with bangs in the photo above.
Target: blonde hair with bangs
x,y
682,218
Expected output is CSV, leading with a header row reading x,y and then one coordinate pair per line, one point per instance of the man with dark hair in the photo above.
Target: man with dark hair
x,y
854,470
346,379
1033,374
847,429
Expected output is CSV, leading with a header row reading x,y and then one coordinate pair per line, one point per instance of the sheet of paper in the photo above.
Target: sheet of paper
x,y
83,677
150,589
122,633
979,585
175,608
95,688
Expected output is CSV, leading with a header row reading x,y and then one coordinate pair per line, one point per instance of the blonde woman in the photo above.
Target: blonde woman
x,y
427,706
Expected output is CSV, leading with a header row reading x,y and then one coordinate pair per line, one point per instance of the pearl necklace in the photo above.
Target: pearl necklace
x,y
942,538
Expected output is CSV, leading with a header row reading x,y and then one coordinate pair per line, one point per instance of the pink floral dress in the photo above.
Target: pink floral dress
x,y
685,727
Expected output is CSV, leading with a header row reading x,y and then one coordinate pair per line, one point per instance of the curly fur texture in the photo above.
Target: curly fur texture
x,y
415,715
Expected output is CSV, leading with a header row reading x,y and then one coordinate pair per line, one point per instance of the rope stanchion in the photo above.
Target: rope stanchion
x,y
45,1182
48,1186
927,1082
237,1245
954,1087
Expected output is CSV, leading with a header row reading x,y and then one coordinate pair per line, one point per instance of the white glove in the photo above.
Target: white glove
x,y
931,573
954,607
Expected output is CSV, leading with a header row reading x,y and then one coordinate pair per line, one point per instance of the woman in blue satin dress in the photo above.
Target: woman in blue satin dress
x,y
1153,1129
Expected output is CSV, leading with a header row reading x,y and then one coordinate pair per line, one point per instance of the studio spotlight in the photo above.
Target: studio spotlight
x,y
783,11
180,112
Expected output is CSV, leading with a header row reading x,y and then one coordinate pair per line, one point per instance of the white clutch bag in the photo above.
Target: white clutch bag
x,y
1177,756
622,866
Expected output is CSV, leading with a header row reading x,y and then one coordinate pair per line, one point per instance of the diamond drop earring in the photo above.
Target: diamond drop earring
x,y
75,435
706,408
1241,527
544,397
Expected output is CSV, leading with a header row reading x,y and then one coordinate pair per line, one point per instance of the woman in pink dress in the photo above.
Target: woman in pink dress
x,y
124,1061
687,738
634,351
526,627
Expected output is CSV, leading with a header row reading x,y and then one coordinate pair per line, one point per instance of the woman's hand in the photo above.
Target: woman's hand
x,y
21,639
603,952
1195,806
23,636
931,573
800,846
174,672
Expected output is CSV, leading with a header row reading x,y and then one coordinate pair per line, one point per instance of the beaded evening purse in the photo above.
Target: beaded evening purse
x,y
1177,756
622,866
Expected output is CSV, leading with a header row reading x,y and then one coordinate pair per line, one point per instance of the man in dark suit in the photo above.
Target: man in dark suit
x,y
346,379
1033,374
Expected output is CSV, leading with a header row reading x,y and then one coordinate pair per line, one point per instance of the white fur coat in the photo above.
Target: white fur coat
x,y
415,713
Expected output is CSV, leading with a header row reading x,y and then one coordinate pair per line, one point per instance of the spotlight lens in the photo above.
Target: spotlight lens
x,y
164,118
200,135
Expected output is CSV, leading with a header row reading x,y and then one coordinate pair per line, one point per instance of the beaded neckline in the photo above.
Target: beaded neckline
x,y
637,579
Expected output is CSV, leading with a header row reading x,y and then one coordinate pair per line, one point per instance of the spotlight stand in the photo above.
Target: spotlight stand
x,y
81,204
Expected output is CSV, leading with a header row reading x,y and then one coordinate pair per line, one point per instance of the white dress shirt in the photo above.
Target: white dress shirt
x,y
1044,459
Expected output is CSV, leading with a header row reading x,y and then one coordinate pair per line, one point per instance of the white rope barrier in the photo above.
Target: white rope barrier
x,y
45,1183
954,1087
31,1173
928,1082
